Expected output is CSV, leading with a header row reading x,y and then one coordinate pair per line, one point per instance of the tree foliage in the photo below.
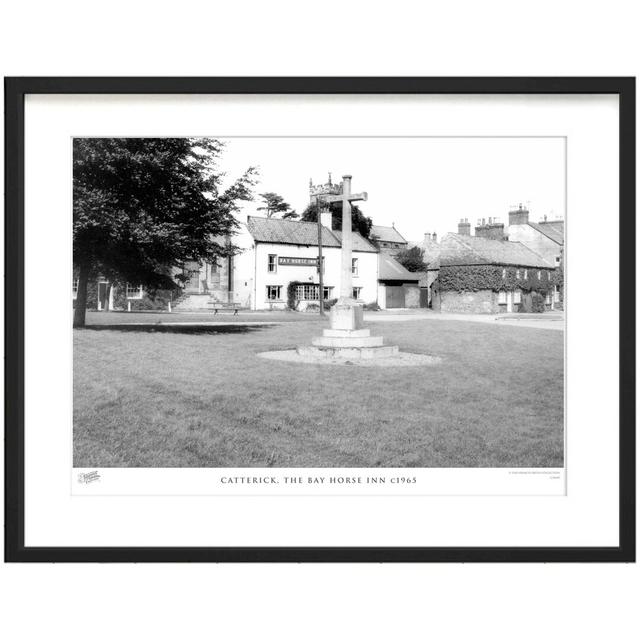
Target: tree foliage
x,y
274,203
359,222
142,207
411,259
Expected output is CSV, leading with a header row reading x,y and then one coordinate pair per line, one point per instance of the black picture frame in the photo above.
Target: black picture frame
x,y
15,91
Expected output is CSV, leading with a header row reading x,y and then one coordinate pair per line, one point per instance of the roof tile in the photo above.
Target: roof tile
x,y
467,250
386,234
278,231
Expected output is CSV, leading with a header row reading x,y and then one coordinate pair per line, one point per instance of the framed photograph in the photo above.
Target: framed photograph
x,y
320,319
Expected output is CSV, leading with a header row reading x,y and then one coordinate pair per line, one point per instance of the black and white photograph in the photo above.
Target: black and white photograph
x,y
374,319
319,302
320,321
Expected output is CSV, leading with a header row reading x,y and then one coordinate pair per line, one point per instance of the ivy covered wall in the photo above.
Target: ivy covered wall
x,y
496,278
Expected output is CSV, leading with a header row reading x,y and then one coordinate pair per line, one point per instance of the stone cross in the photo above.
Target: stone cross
x,y
346,197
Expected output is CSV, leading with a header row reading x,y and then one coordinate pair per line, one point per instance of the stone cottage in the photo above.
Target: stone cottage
x,y
483,275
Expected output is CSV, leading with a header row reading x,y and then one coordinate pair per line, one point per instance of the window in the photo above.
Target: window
x,y
272,264
74,288
504,274
526,274
517,298
274,292
134,292
556,293
557,260
354,266
214,267
502,297
517,274
356,292
311,292
547,299
548,275
539,275
307,292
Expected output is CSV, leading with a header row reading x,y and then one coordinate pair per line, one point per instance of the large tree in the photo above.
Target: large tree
x,y
142,207
359,222
274,203
411,259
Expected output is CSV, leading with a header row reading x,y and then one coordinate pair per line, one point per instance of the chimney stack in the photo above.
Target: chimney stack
x,y
464,227
434,237
519,215
325,218
494,230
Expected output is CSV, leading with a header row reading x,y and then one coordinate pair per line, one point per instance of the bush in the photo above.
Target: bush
x,y
537,303
372,306
329,303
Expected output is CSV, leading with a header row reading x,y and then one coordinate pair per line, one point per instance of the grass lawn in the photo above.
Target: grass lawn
x,y
185,399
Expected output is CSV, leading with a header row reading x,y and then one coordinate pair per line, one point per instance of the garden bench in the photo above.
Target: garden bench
x,y
224,306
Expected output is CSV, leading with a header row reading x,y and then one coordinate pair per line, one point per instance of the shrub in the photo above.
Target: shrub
x,y
372,306
537,303
292,303
329,303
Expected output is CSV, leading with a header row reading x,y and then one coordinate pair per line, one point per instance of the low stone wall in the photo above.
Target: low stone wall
x,y
485,301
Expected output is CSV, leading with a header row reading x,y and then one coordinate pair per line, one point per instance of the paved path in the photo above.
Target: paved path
x,y
553,320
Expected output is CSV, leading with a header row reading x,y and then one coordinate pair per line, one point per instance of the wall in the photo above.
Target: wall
x,y
242,267
485,301
367,277
535,241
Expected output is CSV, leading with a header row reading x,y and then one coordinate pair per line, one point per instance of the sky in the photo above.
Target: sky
x,y
423,185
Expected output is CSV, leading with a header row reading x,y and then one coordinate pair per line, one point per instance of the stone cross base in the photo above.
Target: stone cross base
x,y
346,317
347,338
347,353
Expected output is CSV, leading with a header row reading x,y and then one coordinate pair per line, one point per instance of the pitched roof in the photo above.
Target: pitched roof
x,y
357,242
550,230
278,231
386,234
467,250
558,225
390,269
289,232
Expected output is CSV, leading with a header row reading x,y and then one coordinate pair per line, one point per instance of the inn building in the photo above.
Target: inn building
x,y
279,253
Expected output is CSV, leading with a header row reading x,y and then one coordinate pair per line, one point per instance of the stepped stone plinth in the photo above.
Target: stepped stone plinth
x,y
347,338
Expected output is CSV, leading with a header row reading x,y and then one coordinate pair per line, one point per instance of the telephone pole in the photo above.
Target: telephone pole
x,y
320,275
